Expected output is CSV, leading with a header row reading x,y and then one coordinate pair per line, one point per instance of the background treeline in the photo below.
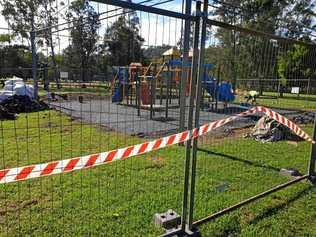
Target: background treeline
x,y
90,55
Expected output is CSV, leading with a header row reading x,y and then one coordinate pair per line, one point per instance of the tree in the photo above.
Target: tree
x,y
124,42
13,58
254,54
84,35
50,16
26,16
291,65
155,52
21,15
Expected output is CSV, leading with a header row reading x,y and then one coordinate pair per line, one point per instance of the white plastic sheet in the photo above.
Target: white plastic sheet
x,y
16,86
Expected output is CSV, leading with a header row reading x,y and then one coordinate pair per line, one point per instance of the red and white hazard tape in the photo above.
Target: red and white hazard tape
x,y
65,166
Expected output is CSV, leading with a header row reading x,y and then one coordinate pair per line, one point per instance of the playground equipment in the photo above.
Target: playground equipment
x,y
156,87
146,87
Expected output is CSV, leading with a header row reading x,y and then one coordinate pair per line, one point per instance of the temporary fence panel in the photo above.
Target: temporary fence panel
x,y
177,145
81,122
233,167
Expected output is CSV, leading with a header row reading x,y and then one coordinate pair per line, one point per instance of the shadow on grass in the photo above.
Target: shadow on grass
x,y
268,212
247,162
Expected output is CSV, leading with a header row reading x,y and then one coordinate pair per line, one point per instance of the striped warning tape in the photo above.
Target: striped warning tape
x,y
64,166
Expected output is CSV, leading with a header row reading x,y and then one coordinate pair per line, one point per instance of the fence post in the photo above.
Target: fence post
x,y
197,110
190,117
34,60
311,170
185,59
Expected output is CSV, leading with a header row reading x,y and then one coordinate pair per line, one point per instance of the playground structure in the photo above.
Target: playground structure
x,y
156,87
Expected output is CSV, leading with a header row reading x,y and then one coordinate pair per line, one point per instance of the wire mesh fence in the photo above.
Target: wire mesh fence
x,y
113,76
82,117
234,165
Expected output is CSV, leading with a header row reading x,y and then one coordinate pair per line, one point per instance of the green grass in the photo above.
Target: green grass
x,y
120,199
289,101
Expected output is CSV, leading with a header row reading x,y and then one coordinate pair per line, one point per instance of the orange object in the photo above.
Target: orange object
x,y
144,93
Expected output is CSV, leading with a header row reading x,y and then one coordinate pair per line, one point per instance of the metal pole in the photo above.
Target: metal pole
x,y
151,97
311,169
167,90
217,84
249,200
308,85
234,54
190,117
197,110
138,91
34,61
185,61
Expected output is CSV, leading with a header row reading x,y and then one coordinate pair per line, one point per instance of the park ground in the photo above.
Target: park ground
x,y
120,199
288,101
270,99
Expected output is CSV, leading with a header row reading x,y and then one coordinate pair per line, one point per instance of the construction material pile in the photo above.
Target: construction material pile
x,y
16,86
18,97
5,114
269,130
22,104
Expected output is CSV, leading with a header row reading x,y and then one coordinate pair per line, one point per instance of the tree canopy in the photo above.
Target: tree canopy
x,y
124,42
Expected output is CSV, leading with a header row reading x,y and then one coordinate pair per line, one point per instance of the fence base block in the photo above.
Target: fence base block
x,y
168,220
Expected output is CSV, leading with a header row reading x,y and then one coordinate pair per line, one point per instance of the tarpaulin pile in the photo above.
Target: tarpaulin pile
x,y
22,104
269,130
18,97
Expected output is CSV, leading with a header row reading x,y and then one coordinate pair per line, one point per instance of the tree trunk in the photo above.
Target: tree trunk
x,y
56,74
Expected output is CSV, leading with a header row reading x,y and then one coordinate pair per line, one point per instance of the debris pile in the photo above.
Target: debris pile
x,y
18,97
16,86
269,130
6,114
22,104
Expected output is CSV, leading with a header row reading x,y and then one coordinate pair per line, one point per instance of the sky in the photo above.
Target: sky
x,y
156,30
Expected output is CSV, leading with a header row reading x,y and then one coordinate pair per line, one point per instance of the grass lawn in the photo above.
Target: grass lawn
x,y
289,101
120,199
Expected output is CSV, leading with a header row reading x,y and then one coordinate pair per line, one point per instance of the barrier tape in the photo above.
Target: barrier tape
x,y
64,166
